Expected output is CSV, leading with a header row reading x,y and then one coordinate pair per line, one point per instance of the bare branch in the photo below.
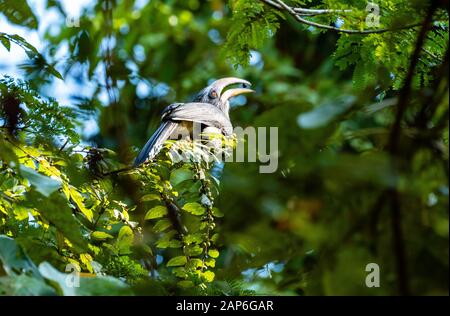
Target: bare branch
x,y
307,12
303,11
299,13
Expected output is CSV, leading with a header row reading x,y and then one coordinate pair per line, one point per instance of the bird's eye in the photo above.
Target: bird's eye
x,y
213,94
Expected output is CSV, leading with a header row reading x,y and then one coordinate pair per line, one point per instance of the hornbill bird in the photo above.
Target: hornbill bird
x,y
210,108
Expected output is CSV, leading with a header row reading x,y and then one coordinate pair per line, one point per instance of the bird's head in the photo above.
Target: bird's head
x,y
221,91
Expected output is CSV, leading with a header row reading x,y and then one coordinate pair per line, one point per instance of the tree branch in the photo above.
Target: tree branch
x,y
393,149
173,213
307,12
298,14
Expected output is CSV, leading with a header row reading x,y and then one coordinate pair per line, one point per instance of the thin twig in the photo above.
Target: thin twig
x,y
114,172
64,145
308,12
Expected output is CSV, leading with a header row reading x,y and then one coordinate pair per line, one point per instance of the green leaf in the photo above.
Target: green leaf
x,y
213,253
156,212
56,211
150,197
194,250
19,40
252,24
125,240
19,12
6,42
100,285
24,285
78,199
180,175
101,235
194,208
216,212
208,276
185,284
180,272
37,59
161,225
177,261
86,259
166,240
174,243
194,263
43,184
193,238
210,262
14,259
51,70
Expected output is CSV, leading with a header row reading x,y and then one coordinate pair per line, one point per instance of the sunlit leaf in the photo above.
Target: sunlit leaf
x,y
156,212
56,211
150,197
104,285
180,175
43,184
194,208
177,261
125,239
161,225
101,235
214,253
78,199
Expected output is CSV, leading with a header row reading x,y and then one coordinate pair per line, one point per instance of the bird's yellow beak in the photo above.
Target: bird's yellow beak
x,y
221,84
228,94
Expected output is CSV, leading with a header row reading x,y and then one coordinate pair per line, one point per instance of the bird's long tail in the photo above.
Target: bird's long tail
x,y
156,142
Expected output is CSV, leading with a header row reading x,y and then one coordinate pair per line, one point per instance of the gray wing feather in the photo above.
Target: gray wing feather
x,y
199,112
203,113
155,142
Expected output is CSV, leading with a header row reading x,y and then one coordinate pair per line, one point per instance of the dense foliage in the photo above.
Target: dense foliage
x,y
362,112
